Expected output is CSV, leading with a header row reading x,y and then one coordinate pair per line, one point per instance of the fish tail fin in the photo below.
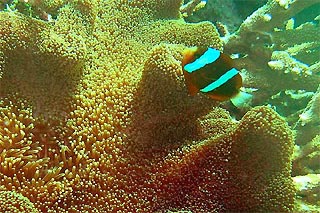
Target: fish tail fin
x,y
242,99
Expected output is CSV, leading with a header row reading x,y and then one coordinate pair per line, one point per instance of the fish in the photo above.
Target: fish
x,y
209,71
212,72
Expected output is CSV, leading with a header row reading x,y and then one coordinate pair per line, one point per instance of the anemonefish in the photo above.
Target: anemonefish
x,y
211,72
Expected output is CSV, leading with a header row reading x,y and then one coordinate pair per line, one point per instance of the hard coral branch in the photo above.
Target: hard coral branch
x,y
191,6
308,187
308,123
307,158
265,19
259,45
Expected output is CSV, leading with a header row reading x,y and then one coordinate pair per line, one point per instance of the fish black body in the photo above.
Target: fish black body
x,y
211,72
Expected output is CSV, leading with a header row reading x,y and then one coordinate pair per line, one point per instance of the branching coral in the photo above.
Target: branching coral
x,y
229,12
95,117
269,51
192,6
307,158
308,187
279,42
309,120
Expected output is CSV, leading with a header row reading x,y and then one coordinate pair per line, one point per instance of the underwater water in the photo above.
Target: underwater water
x,y
159,106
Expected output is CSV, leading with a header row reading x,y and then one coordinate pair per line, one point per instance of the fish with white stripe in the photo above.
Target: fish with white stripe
x,y
212,72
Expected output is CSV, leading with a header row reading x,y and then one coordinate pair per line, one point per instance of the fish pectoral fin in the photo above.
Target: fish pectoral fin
x,y
192,89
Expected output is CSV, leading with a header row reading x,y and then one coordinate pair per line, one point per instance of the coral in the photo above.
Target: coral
x,y
279,42
95,117
277,48
307,158
229,12
309,120
308,188
192,6
16,203
281,60
33,8
272,52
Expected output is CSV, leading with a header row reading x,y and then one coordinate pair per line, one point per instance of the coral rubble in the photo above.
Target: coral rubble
x,y
95,117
